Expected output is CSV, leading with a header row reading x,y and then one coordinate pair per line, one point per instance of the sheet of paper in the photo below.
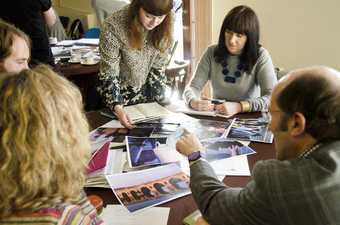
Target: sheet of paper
x,y
234,166
180,106
88,41
66,43
113,124
118,215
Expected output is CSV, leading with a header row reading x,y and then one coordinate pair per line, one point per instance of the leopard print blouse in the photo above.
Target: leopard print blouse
x,y
128,76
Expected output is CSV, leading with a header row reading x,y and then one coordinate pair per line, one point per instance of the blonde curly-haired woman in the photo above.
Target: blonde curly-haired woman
x,y
44,150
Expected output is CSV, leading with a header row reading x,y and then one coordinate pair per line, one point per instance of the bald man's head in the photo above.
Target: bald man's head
x,y
314,92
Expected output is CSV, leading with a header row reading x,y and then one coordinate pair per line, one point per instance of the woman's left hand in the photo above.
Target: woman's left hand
x,y
228,108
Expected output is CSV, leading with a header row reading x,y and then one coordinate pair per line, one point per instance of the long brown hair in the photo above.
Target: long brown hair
x,y
161,35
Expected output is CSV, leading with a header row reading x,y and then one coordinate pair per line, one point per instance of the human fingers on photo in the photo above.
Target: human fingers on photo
x,y
130,121
125,122
123,117
201,221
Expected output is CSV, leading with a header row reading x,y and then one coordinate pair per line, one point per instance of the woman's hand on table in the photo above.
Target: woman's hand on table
x,y
228,108
123,118
201,105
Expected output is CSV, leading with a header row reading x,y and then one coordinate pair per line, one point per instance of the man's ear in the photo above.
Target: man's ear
x,y
297,124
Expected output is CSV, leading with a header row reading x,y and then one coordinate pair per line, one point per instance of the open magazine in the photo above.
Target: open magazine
x,y
250,130
146,111
146,188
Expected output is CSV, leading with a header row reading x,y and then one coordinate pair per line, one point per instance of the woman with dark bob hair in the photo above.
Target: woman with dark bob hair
x,y
134,51
241,71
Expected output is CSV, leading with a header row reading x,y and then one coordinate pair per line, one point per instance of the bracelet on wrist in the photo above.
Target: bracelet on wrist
x,y
245,106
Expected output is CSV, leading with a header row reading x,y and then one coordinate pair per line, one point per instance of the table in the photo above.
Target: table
x,y
182,207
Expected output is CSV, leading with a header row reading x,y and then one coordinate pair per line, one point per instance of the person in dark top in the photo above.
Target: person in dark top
x,y
32,16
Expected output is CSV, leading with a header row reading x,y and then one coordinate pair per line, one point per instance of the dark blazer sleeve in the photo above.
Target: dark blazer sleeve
x,y
221,204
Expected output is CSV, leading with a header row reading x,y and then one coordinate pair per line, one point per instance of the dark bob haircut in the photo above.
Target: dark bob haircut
x,y
242,20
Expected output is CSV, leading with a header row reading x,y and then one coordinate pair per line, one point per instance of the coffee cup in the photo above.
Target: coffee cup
x,y
75,58
52,40
89,60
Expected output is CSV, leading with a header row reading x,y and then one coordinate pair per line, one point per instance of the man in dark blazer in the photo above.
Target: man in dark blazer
x,y
301,186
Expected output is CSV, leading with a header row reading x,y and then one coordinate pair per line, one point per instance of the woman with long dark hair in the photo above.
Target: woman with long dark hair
x,y
241,71
134,50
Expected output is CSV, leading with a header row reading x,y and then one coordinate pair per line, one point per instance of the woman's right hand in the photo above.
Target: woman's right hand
x,y
201,105
123,117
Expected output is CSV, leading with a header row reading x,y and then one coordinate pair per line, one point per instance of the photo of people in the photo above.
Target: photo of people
x,y
250,130
146,151
207,128
102,135
145,188
160,127
221,148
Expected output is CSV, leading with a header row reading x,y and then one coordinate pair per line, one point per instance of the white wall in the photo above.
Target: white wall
x,y
77,9
296,32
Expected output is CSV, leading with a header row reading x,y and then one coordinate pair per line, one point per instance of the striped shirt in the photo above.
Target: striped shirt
x,y
63,214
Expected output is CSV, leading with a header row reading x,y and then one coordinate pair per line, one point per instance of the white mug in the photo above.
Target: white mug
x,y
52,40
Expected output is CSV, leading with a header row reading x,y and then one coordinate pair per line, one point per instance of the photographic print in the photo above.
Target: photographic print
x,y
142,189
147,151
221,148
207,128
116,136
250,130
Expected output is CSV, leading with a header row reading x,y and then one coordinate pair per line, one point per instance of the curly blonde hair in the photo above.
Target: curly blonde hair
x,y
44,144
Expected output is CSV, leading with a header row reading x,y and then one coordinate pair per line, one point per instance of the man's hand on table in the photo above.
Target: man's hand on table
x,y
188,143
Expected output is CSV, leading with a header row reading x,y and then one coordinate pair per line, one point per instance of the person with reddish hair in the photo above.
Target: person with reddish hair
x,y
134,46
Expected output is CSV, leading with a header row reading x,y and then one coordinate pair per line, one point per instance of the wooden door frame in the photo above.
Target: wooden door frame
x,y
197,31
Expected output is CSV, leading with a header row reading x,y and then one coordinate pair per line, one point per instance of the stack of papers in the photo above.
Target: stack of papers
x,y
104,161
82,41
118,215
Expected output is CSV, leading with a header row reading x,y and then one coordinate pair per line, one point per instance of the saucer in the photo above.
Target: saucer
x,y
74,61
83,62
